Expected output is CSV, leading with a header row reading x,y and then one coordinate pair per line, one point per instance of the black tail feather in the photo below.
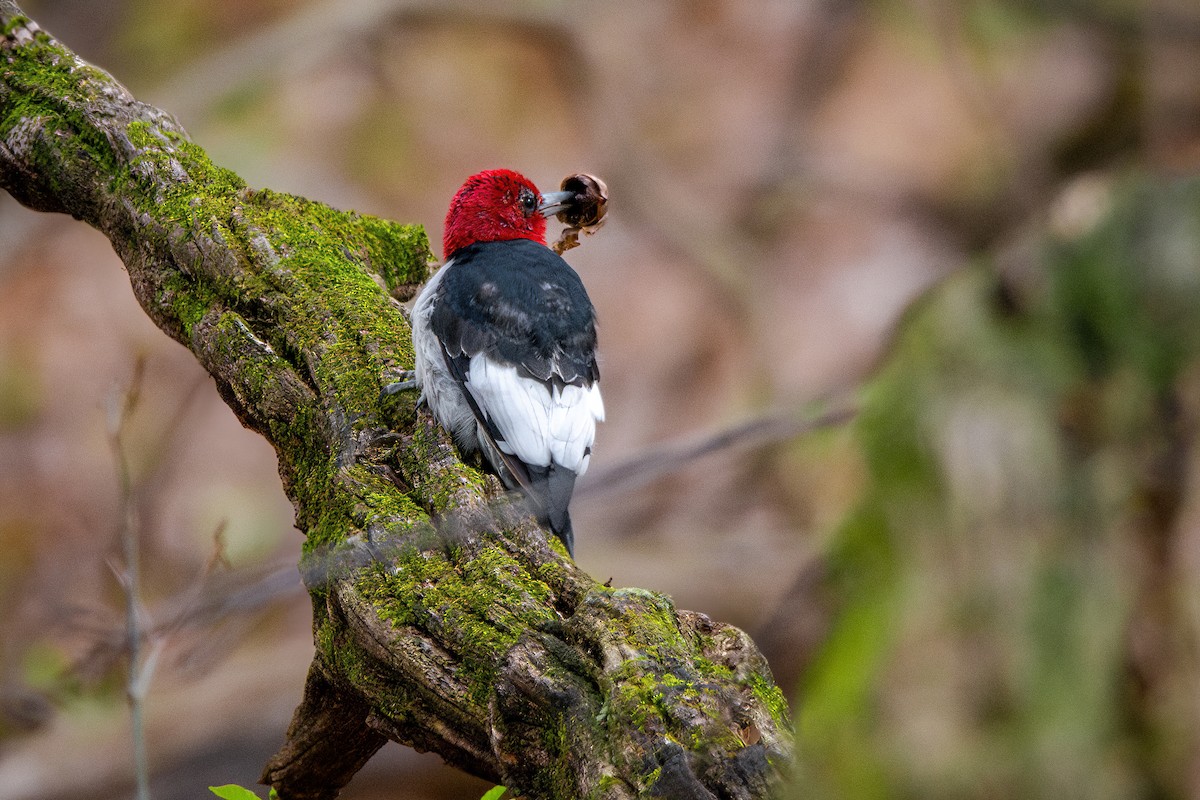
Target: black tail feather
x,y
551,489
548,488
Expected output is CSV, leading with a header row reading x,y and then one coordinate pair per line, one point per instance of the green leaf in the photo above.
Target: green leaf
x,y
231,791
494,793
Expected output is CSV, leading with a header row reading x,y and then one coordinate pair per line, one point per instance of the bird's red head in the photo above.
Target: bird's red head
x,y
494,206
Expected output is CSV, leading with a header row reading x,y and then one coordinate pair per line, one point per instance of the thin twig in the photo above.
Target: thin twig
x,y
129,580
769,428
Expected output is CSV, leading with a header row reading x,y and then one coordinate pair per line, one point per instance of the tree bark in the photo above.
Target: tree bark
x,y
444,619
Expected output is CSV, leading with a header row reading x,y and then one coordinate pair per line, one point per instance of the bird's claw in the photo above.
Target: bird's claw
x,y
407,382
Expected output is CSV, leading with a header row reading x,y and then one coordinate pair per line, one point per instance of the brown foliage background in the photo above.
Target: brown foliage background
x,y
786,177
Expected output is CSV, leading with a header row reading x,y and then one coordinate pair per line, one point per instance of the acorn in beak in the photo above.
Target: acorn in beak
x,y
581,202
580,205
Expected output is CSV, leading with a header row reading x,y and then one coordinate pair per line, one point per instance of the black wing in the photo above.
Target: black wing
x,y
520,304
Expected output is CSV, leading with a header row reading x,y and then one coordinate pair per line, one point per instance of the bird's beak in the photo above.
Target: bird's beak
x,y
554,202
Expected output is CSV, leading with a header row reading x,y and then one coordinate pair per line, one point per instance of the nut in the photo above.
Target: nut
x,y
585,212
588,208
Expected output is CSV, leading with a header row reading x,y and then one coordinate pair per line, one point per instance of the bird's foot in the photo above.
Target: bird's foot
x,y
407,382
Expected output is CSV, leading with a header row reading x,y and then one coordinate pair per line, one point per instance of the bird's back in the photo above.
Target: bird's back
x,y
506,339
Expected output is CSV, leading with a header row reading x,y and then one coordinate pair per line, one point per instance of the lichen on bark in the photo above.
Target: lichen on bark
x,y
443,617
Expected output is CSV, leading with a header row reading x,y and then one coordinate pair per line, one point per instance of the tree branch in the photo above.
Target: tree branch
x,y
443,618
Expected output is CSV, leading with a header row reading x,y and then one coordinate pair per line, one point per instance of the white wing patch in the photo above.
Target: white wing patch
x,y
539,424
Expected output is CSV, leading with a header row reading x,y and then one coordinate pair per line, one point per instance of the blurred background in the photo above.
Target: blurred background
x,y
976,221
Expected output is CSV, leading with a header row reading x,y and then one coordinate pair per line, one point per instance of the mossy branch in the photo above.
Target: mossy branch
x,y
444,619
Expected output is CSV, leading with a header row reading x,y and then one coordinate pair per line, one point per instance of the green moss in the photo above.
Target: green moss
x,y
399,253
324,511
47,81
200,191
479,606
557,742
338,654
648,623
609,784
188,301
323,257
553,572
771,697
14,22
668,692
378,499
442,486
346,659
641,700
663,704
334,306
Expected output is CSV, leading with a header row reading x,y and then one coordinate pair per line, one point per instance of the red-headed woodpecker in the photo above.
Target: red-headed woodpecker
x,y
505,341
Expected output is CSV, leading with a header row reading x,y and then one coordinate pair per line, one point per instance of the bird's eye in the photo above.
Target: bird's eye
x,y
528,201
